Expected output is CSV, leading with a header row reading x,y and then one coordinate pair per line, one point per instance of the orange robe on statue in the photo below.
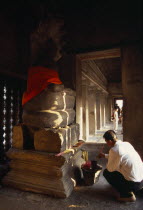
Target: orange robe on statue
x,y
38,79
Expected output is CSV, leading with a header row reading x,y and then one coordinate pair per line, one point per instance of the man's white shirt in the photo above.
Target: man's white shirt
x,y
125,159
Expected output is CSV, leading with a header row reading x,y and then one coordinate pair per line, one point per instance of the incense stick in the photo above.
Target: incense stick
x,y
101,148
100,151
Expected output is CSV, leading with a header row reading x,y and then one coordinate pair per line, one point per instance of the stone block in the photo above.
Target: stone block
x,y
21,138
49,118
56,140
50,99
46,139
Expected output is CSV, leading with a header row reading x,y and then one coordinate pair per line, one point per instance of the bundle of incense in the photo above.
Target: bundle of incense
x,y
64,152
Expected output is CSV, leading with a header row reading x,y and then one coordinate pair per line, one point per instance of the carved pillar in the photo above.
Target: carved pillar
x,y
132,79
109,108
92,112
103,108
98,109
85,110
79,109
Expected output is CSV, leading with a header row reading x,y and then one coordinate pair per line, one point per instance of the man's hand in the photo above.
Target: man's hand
x,y
101,155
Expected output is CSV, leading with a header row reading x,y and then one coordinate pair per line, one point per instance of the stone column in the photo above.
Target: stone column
x,y
132,79
92,111
98,109
110,107
85,118
95,114
79,109
108,101
102,108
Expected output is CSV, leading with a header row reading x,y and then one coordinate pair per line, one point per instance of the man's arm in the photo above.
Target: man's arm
x,y
102,155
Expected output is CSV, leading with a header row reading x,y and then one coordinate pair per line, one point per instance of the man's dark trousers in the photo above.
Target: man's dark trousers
x,y
123,186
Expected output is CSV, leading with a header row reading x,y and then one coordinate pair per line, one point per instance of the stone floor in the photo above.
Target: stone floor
x,y
100,196
99,134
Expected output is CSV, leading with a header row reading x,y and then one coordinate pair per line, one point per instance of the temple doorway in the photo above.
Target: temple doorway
x,y
98,88
119,102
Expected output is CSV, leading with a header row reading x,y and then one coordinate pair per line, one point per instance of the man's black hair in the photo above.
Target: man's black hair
x,y
110,135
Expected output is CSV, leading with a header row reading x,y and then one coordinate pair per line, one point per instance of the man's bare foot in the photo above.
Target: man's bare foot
x,y
130,199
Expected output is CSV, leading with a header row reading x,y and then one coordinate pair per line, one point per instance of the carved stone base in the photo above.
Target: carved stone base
x,y
43,172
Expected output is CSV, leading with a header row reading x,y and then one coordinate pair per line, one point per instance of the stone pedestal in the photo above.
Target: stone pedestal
x,y
42,172
40,159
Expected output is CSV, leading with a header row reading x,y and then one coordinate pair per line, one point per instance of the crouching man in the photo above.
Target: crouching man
x,y
124,167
